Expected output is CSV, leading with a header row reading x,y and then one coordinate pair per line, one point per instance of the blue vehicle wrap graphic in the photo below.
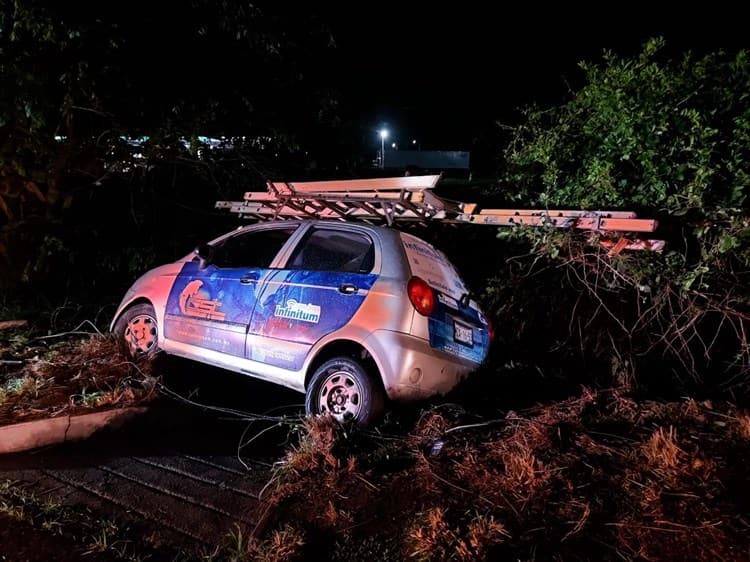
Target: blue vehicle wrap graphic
x,y
300,307
443,329
211,308
278,353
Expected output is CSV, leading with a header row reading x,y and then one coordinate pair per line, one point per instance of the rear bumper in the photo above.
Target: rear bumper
x,y
413,370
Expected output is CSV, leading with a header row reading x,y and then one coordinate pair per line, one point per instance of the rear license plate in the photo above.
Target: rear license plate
x,y
463,334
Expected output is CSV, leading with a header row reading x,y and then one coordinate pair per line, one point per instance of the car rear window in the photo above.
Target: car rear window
x,y
431,265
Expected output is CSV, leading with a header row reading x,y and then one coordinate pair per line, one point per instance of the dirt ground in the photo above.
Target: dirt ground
x,y
23,542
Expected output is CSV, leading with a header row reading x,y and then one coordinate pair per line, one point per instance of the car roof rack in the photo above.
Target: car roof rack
x,y
410,199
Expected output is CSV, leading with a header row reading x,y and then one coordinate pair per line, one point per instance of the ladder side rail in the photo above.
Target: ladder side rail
x,y
559,213
580,223
260,196
372,184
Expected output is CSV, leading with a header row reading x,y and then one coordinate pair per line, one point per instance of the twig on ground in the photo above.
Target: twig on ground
x,y
74,332
473,426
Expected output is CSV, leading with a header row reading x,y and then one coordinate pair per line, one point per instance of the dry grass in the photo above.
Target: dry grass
x,y
83,375
661,449
316,457
483,534
315,449
284,545
430,538
743,426
597,477
521,466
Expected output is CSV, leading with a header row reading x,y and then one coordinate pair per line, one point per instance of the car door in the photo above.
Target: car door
x,y
323,284
210,304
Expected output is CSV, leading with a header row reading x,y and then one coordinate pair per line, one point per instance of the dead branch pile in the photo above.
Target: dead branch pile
x,y
627,318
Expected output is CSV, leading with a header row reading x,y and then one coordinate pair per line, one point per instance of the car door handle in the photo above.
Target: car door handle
x,y
249,278
348,289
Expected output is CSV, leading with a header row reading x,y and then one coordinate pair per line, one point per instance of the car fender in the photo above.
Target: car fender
x,y
356,334
154,286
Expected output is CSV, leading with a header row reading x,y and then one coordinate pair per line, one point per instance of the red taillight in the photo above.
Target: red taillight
x,y
490,330
421,296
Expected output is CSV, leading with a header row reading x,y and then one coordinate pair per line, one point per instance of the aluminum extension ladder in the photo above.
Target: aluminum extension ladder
x,y
411,199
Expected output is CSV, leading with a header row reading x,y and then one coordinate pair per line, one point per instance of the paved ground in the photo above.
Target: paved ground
x,y
177,468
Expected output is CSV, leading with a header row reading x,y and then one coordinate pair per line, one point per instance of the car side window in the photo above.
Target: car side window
x,y
251,249
334,250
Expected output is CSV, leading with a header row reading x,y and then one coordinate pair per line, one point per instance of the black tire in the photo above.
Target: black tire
x,y
137,332
343,388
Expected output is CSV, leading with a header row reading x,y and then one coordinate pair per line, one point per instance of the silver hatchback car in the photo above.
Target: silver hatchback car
x,y
349,314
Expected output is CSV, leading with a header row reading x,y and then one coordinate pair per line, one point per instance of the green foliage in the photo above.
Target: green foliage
x,y
669,138
77,83
649,132
87,398
644,131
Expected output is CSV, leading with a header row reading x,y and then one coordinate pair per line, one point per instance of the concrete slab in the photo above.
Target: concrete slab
x,y
172,470
53,431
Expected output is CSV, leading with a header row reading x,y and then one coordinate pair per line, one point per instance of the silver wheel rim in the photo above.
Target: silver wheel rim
x,y
340,396
140,334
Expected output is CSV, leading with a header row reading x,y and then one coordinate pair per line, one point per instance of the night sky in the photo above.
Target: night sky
x,y
444,75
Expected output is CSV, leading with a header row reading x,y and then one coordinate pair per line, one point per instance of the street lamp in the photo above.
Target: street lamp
x,y
383,136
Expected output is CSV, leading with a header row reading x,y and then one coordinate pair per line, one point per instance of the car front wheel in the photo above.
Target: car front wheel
x,y
137,331
343,388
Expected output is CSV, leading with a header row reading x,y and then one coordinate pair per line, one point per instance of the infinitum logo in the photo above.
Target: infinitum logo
x,y
294,310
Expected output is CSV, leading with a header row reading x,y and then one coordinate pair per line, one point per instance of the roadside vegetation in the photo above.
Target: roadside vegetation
x,y
598,476
73,376
669,137
625,432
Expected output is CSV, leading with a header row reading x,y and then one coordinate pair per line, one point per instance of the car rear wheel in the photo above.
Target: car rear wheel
x,y
137,331
343,388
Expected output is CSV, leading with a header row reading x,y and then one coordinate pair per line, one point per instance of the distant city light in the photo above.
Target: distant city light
x,y
383,136
393,145
414,141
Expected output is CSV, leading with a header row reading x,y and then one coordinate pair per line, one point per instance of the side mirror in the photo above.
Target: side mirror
x,y
206,253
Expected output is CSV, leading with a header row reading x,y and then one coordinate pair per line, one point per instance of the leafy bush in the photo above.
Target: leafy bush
x,y
669,137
